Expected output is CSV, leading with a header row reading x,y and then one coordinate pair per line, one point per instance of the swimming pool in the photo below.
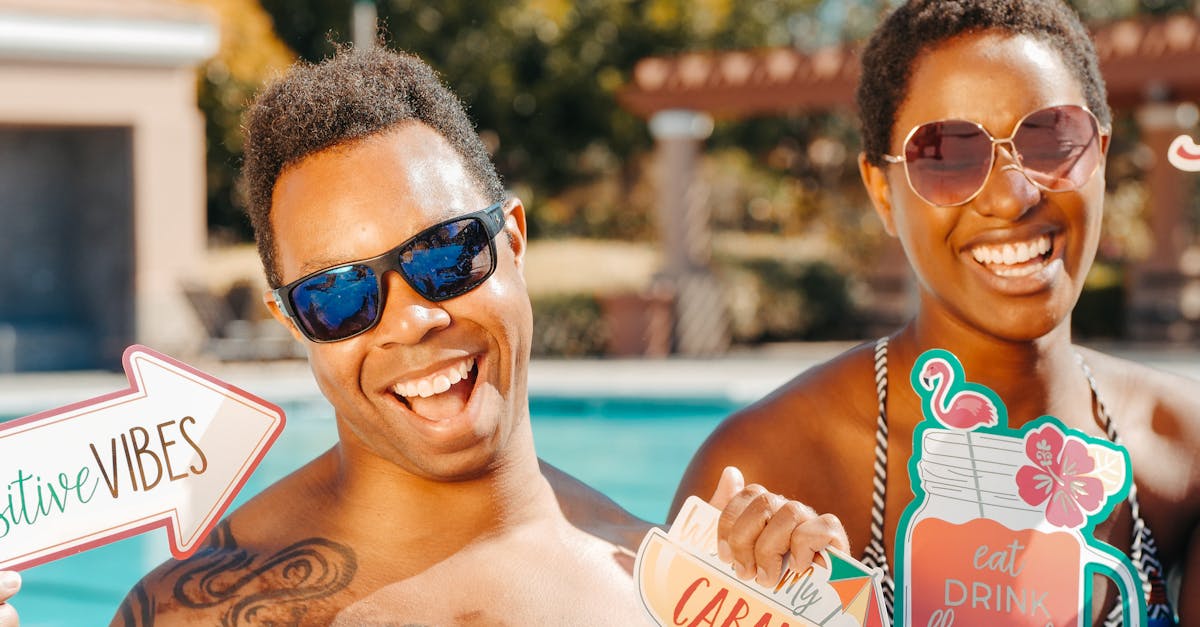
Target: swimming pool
x,y
632,449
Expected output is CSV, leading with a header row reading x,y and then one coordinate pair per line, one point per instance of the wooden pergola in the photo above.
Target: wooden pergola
x,y
1139,59
1151,67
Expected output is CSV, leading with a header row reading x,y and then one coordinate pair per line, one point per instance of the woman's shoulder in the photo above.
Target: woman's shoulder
x,y
843,386
818,406
1144,390
1157,415
820,420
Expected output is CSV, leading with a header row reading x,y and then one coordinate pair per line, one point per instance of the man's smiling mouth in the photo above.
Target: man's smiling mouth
x,y
439,394
1015,259
435,382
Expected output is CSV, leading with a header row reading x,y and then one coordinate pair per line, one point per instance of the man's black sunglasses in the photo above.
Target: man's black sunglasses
x,y
443,261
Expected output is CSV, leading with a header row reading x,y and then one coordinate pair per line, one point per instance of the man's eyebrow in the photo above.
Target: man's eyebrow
x,y
324,263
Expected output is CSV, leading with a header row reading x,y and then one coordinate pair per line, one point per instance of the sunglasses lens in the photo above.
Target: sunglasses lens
x,y
948,161
1059,147
337,304
450,260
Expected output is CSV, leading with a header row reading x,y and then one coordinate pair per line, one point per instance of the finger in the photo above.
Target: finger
x,y
8,616
815,535
776,540
730,513
744,533
730,484
10,584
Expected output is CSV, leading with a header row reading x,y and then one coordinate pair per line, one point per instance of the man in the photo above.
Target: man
x,y
396,259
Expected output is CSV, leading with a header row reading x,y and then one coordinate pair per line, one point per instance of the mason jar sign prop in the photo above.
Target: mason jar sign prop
x,y
683,583
1001,529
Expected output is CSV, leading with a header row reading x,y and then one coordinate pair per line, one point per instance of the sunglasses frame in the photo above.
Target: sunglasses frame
x,y
1102,133
492,219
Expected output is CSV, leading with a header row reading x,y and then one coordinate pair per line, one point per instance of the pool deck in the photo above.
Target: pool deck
x,y
741,376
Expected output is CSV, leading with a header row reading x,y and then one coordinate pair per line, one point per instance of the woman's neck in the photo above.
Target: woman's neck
x,y
1035,377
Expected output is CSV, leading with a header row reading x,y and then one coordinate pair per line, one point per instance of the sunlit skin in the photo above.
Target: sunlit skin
x,y
347,204
812,439
937,240
10,584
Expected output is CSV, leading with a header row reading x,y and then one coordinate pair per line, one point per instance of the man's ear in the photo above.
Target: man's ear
x,y
875,180
280,316
514,231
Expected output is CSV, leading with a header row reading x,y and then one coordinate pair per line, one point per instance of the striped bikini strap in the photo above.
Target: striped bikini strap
x,y
875,554
1142,549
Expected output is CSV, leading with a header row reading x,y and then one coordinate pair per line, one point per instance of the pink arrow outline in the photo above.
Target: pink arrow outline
x,y
167,518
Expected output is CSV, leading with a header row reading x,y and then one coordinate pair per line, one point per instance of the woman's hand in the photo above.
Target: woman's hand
x,y
10,583
757,528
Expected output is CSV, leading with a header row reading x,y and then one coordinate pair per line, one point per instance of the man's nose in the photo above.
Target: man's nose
x,y
407,316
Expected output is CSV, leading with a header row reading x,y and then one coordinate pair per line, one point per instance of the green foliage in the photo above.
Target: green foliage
x,y
570,325
540,78
223,149
1100,312
249,52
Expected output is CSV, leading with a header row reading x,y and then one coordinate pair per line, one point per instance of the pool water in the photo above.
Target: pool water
x,y
633,450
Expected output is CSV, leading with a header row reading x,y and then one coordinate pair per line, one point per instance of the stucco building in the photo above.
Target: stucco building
x,y
102,213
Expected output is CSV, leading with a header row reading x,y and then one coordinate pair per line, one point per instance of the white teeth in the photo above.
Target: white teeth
x,y
437,382
441,383
1011,254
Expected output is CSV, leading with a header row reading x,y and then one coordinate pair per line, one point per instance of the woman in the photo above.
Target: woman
x,y
1000,246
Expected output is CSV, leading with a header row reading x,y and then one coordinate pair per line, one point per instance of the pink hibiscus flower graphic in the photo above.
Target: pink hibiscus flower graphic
x,y
1056,478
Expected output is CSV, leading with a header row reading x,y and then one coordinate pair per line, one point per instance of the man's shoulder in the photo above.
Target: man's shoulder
x,y
266,558
231,579
593,512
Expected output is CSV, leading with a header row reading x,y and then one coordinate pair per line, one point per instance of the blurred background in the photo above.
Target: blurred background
x,y
688,167
699,233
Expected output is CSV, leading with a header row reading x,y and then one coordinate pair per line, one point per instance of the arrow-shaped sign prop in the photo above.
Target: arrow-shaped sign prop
x,y
171,451
1184,154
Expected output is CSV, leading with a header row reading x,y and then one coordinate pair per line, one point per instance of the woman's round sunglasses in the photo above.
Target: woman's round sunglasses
x,y
947,162
445,260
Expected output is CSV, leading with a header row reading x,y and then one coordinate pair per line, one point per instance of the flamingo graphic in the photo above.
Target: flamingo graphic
x,y
967,409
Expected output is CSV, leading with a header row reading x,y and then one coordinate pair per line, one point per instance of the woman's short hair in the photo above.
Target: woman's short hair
x,y
919,25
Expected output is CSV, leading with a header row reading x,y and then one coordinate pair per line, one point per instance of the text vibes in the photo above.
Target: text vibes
x,y
139,458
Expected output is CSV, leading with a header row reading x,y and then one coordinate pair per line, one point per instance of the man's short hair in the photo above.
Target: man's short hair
x,y
352,95
921,25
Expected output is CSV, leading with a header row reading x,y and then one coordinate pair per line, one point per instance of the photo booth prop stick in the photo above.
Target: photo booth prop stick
x,y
1184,154
683,583
171,451
1001,529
